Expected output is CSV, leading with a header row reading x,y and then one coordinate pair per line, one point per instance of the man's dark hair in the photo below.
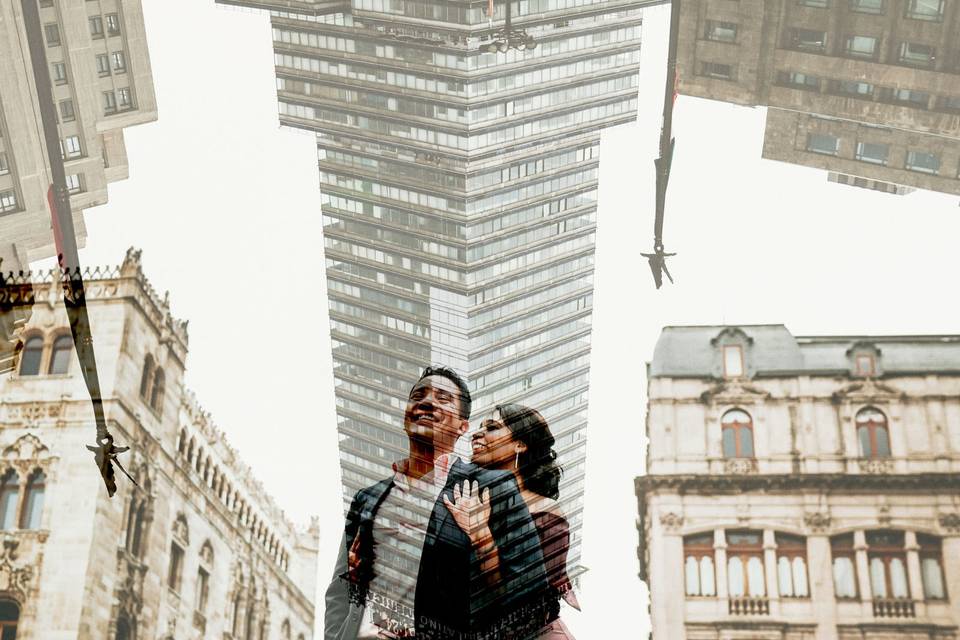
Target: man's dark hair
x,y
449,374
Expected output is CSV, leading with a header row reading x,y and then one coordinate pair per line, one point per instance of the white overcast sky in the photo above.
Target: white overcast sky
x,y
226,208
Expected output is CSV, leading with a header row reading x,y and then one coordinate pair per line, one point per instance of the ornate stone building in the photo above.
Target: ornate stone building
x,y
801,488
196,549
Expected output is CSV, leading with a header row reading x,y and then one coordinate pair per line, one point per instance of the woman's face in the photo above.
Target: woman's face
x,y
493,444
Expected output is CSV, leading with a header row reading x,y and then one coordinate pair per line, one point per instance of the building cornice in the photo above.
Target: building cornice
x,y
791,483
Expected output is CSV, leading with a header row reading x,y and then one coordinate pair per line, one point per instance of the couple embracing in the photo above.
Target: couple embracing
x,y
447,549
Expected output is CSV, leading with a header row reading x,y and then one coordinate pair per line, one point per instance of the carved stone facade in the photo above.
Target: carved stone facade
x,y
801,488
196,549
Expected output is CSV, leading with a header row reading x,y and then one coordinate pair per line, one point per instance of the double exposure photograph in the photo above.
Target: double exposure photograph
x,y
479,319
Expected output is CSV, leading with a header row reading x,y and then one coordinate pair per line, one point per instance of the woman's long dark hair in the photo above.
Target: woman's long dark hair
x,y
537,465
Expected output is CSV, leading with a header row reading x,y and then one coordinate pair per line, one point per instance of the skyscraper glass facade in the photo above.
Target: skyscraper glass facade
x,y
459,204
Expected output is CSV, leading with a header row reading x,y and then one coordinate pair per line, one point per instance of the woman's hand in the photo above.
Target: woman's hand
x,y
471,510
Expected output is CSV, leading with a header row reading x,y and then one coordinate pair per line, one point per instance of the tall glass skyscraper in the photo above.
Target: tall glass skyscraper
x,y
459,202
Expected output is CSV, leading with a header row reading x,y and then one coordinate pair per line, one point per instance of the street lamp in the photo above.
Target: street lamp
x,y
508,37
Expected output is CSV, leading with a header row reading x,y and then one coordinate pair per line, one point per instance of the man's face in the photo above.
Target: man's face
x,y
433,413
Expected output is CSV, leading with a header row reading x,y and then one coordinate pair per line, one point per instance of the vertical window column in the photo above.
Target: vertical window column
x,y
720,547
914,576
770,564
863,566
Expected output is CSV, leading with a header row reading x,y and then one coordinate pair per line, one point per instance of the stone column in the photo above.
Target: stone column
x,y
863,574
666,575
914,577
822,595
770,571
720,557
951,566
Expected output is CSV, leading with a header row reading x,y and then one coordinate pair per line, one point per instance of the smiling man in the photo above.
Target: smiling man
x,y
405,568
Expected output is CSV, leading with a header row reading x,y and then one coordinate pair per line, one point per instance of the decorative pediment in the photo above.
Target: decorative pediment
x,y
26,447
734,391
868,391
731,335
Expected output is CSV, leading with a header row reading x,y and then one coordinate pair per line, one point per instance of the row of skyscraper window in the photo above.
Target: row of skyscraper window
x,y
376,256
435,177
915,9
51,30
886,556
918,160
873,435
913,54
867,91
447,87
432,58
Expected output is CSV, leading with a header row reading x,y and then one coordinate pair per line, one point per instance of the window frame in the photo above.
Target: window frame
x,y
729,348
28,340
9,486
887,553
812,148
745,552
56,347
68,112
59,73
738,428
112,23
175,567
791,547
855,6
931,548
882,162
842,546
51,34
872,427
96,27
910,12
910,163
850,52
31,509
693,548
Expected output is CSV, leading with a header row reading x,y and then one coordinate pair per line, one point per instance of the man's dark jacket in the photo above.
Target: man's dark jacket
x,y
452,600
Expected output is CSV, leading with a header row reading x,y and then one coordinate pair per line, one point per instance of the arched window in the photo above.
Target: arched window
x,y
698,565
9,494
248,623
156,394
237,615
146,378
60,356
135,528
9,616
737,429
792,566
124,629
844,566
33,501
203,576
888,564
931,567
182,442
285,630
745,564
30,356
872,433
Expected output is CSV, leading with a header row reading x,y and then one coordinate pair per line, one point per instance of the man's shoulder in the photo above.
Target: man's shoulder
x,y
373,492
